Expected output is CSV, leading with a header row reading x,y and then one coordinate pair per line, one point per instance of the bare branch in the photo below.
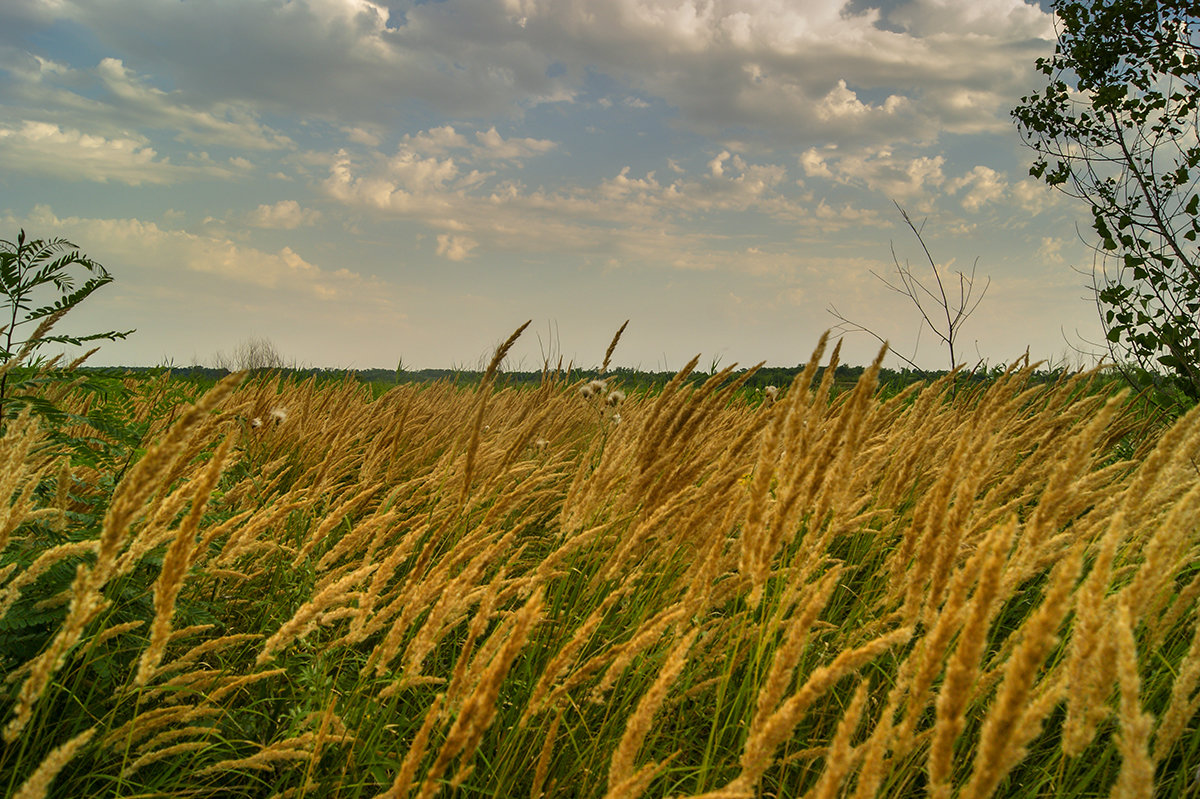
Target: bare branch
x,y
909,285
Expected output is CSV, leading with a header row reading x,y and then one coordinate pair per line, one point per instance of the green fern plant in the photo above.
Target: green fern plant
x,y
38,287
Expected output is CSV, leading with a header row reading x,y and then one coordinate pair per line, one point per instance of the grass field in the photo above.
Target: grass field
x,y
289,589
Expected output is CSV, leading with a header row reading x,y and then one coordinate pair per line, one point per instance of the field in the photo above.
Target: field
x,y
294,589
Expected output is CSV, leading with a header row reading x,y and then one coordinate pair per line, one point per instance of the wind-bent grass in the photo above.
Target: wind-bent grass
x,y
507,593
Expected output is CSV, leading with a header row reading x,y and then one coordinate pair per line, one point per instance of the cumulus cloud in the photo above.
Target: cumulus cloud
x,y
283,215
892,174
493,145
977,18
224,124
814,164
362,136
455,248
820,70
143,244
632,217
108,99
45,148
842,105
1033,197
486,145
815,70
983,185
325,58
1051,249
436,141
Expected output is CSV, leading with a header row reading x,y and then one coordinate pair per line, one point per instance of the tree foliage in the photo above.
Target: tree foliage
x,y
1116,126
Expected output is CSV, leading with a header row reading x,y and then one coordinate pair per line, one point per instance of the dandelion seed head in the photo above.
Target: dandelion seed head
x,y
256,422
615,398
279,415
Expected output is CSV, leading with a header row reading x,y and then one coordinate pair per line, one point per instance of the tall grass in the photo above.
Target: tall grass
x,y
298,590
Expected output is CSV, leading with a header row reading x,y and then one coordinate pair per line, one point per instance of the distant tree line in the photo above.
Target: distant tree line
x,y
845,376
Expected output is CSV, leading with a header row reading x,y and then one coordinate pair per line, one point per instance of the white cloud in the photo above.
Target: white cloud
x,y
1033,197
814,164
46,148
1051,249
489,144
806,70
145,245
109,99
893,175
846,217
283,215
362,136
224,124
455,248
493,145
637,219
842,105
437,141
984,185
325,58
976,18
813,71
421,174
715,166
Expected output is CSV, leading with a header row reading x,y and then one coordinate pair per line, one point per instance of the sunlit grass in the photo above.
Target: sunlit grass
x,y
556,592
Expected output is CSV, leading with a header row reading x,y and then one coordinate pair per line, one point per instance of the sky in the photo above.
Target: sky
x,y
364,183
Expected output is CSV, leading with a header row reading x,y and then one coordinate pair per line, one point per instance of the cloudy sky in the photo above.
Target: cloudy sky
x,y
362,181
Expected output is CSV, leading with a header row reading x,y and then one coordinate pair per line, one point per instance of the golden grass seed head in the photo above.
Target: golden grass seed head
x,y
1007,728
1136,777
621,767
37,784
612,346
841,755
1184,703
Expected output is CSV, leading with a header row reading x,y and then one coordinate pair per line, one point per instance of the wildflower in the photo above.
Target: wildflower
x,y
256,422
593,388
616,417
279,415
772,393
541,444
615,398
